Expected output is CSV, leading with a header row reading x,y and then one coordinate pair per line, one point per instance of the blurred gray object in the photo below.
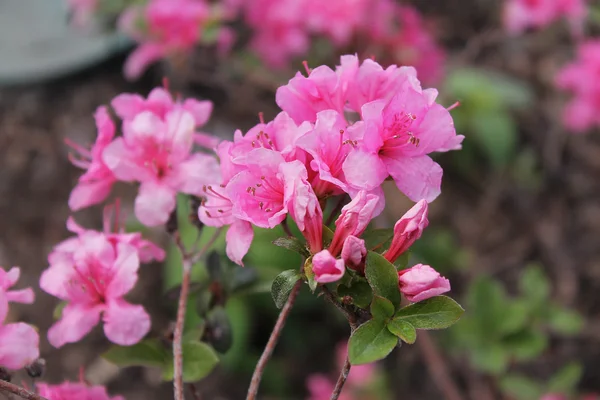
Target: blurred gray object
x,y
37,42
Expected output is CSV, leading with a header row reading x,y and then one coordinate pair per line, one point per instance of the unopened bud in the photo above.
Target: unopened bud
x,y
37,368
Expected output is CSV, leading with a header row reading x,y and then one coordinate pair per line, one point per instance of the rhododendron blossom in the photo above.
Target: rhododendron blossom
x,y
522,14
579,78
92,274
95,184
407,230
422,282
74,391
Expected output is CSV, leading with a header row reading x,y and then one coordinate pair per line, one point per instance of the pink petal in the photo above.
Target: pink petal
x,y
154,203
180,128
3,306
125,324
239,238
125,271
86,194
418,177
119,159
25,296
77,321
364,170
140,59
19,345
127,105
201,110
190,176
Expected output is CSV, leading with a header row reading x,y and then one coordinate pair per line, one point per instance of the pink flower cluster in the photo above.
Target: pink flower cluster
x,y
522,14
580,78
74,391
321,386
155,150
91,273
19,342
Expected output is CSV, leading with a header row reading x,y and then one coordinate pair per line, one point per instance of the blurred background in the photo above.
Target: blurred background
x,y
516,228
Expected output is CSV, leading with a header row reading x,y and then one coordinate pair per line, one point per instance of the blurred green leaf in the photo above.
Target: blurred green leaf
x,y
199,359
327,236
486,303
404,330
402,262
565,381
496,133
565,321
360,292
491,358
381,308
58,310
516,317
218,330
435,313
534,284
526,345
282,286
293,244
521,387
383,277
149,352
372,341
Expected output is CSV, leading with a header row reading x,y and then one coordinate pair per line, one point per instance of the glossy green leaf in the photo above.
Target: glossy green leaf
x,y
404,330
521,387
435,313
566,380
293,244
282,286
199,359
150,352
383,277
375,238
381,308
370,342
360,292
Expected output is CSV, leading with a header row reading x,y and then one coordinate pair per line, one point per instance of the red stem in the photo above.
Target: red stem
x,y
19,391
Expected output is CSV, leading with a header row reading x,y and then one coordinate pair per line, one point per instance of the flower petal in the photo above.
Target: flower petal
x,y
125,324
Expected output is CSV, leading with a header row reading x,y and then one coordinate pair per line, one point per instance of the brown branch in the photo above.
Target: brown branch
x,y
437,367
188,260
341,380
8,387
268,351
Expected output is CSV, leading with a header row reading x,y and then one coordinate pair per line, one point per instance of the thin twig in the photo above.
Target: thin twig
x,y
437,367
341,380
195,392
286,227
8,387
268,351
188,260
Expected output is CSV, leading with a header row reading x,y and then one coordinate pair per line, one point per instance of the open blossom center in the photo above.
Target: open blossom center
x,y
398,134
263,140
268,194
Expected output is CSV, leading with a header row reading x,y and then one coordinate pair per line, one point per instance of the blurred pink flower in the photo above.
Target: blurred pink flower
x,y
421,282
326,268
74,391
163,27
522,14
19,342
407,230
337,19
580,79
95,184
92,274
157,153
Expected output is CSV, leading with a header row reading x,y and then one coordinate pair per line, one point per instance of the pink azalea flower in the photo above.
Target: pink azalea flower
x,y
74,391
522,14
337,19
19,342
354,253
407,230
164,27
92,274
320,387
422,282
395,140
95,184
354,219
326,268
8,280
579,78
157,153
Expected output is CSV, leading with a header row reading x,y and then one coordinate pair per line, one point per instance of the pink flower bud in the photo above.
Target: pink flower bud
x,y
326,268
353,220
422,282
407,230
354,253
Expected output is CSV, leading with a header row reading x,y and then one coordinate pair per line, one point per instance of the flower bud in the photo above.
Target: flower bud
x,y
354,253
407,230
36,368
353,220
422,282
326,268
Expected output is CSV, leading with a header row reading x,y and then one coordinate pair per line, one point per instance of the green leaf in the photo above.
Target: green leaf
x,y
218,330
372,341
526,345
310,275
360,292
383,277
521,387
199,359
293,244
491,358
496,133
435,313
534,284
402,261
565,321
150,352
566,380
486,303
58,310
282,286
327,236
516,318
375,238
381,308
404,330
